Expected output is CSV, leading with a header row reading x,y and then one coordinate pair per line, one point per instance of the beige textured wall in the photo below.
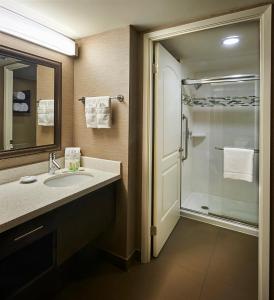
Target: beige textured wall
x,y
45,90
67,96
103,68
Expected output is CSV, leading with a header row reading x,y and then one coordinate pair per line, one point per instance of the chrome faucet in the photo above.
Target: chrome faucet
x,y
53,164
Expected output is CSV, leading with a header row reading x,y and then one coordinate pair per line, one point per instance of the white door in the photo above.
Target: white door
x,y
167,131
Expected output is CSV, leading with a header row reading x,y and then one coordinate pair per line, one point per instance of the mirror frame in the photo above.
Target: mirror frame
x,y
57,66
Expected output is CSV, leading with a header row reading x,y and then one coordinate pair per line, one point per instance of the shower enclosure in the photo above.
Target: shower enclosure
x,y
219,112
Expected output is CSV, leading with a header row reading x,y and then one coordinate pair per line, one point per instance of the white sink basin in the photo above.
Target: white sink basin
x,y
68,179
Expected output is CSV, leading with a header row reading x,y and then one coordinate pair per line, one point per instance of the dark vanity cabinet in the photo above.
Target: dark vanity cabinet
x,y
30,250
26,253
83,220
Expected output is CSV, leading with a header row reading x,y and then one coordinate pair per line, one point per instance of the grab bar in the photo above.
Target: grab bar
x,y
186,138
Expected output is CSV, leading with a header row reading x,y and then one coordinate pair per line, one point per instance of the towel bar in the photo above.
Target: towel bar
x,y
219,148
120,98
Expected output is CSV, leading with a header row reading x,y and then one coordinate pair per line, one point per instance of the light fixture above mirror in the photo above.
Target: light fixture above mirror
x,y
27,29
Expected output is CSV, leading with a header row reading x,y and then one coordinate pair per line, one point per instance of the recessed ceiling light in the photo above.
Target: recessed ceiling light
x,y
231,41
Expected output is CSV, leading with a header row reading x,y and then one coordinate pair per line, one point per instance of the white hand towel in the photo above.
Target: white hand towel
x,y
98,112
238,164
45,113
103,112
19,95
22,107
90,112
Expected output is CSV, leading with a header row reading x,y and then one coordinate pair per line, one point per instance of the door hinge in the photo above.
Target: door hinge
x,y
153,230
154,68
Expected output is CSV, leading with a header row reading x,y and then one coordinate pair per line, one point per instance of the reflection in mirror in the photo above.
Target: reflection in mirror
x,y
26,104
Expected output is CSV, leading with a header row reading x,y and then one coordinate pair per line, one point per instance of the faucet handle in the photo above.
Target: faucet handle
x,y
52,155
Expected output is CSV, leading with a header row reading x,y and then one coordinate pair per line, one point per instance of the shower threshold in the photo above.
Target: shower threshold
x,y
221,221
235,220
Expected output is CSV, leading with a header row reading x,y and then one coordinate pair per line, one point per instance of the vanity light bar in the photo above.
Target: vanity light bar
x,y
26,29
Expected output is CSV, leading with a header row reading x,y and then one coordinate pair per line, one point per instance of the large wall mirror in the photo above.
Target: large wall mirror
x,y
30,103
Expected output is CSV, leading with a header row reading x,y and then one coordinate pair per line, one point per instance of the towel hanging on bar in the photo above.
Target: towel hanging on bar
x,y
255,150
98,112
45,112
238,164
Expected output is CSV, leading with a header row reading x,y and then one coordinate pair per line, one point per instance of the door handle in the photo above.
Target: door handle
x,y
186,138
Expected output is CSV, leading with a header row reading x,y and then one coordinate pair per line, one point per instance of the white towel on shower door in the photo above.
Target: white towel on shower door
x,y
238,164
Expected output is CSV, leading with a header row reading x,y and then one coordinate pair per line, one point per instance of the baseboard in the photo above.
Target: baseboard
x,y
120,262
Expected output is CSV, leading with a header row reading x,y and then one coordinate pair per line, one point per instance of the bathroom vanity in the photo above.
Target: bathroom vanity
x,y
44,223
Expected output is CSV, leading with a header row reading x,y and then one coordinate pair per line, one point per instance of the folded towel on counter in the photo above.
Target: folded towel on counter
x,y
45,113
238,164
98,112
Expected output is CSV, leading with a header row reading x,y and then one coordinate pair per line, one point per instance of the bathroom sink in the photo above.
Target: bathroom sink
x,y
69,179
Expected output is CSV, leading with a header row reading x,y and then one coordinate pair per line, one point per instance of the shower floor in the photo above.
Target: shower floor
x,y
222,207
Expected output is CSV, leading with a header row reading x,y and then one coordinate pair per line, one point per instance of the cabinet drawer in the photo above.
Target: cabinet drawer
x,y
24,266
22,235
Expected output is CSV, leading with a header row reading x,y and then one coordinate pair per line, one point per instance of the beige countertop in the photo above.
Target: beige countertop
x,y
22,202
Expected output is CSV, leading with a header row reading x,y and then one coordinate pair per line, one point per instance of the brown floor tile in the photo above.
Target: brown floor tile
x,y
191,245
219,290
199,261
233,268
157,281
165,278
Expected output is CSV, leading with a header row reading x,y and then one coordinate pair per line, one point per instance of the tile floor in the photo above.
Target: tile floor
x,y
199,261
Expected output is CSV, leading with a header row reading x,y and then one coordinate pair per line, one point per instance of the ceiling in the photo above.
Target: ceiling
x,y
82,18
203,53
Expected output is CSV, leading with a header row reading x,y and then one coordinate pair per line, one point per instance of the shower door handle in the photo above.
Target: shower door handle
x,y
185,118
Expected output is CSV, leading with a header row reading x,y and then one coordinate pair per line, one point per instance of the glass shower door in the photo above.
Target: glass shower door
x,y
220,115
234,123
